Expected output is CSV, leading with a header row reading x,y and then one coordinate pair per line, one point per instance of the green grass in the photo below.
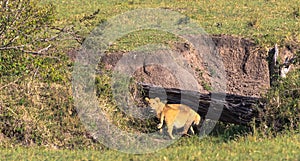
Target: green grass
x,y
266,21
43,99
283,147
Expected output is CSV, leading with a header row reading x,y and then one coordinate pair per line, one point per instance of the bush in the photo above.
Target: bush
x,y
282,110
36,107
21,22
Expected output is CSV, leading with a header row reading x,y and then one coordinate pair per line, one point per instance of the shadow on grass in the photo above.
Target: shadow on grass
x,y
227,132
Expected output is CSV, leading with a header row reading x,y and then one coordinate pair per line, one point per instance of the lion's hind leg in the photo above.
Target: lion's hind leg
x,y
187,126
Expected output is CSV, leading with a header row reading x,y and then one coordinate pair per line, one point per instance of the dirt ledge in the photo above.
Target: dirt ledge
x,y
245,64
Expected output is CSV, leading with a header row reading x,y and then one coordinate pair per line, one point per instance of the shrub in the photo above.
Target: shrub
x,y
36,107
282,110
21,22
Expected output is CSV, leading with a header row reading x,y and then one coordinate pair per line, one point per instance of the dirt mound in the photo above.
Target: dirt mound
x,y
245,64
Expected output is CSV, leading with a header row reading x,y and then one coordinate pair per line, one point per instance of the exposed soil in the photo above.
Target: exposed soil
x,y
245,63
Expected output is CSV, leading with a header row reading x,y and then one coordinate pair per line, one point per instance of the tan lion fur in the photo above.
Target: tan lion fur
x,y
177,115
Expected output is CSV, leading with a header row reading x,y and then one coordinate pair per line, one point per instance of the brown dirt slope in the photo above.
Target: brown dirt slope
x,y
245,64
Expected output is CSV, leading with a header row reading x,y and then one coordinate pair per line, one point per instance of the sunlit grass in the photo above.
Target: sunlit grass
x,y
283,147
267,22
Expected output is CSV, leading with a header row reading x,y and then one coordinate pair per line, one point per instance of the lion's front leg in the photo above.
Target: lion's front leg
x,y
162,117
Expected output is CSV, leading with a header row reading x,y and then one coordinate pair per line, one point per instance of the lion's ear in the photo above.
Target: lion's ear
x,y
147,99
165,101
157,99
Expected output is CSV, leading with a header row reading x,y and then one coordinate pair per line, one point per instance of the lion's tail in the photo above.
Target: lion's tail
x,y
197,119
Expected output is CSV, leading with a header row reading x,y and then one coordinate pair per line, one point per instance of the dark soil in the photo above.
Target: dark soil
x,y
246,66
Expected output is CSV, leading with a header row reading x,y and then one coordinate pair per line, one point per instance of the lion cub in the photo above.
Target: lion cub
x,y
177,115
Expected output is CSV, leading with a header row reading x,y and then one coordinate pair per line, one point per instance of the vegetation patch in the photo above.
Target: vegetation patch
x,y
39,41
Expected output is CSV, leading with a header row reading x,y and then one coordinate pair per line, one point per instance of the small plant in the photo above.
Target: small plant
x,y
206,86
296,13
254,23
